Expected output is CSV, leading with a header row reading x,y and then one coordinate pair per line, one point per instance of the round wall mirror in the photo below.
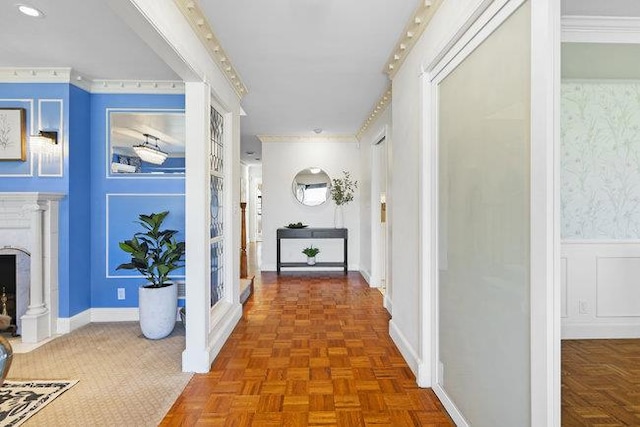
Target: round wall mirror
x,y
311,186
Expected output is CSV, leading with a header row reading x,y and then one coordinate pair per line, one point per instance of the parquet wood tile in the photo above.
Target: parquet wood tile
x,y
601,383
311,350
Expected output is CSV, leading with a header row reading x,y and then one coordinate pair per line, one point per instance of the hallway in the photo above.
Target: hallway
x,y
311,349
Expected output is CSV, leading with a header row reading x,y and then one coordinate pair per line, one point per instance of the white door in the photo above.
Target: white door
x,y
488,225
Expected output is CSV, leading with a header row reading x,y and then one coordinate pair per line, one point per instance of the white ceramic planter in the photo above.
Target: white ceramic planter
x,y
158,309
311,260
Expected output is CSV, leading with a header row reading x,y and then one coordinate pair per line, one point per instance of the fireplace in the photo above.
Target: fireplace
x,y
8,276
15,269
29,232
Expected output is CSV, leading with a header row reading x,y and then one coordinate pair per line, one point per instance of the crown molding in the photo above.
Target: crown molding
x,y
137,86
600,29
203,30
44,75
70,76
379,107
305,139
411,33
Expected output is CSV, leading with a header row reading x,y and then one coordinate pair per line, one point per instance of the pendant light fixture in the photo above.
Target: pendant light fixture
x,y
150,152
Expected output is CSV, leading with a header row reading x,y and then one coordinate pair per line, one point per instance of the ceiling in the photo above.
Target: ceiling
x,y
85,35
307,63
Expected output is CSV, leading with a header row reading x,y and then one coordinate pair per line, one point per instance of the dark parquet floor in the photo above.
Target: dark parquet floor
x,y
310,350
601,383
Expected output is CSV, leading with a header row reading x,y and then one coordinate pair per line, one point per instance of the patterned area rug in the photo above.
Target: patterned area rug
x,y
19,400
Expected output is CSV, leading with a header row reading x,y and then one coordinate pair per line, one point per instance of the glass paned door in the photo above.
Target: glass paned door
x,y
216,188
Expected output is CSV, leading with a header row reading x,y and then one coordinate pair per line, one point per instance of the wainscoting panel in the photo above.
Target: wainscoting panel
x,y
618,287
600,289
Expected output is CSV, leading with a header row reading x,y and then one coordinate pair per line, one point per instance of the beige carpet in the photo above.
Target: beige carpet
x,y
124,379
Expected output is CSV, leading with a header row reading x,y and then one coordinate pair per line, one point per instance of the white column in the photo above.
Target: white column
x,y
35,326
195,357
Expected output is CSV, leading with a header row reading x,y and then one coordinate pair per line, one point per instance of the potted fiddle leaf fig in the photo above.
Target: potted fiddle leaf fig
x,y
155,253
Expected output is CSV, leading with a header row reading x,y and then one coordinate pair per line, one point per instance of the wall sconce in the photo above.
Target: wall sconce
x,y
150,152
45,142
46,136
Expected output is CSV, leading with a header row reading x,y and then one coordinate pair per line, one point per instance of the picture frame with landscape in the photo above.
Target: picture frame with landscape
x,y
13,134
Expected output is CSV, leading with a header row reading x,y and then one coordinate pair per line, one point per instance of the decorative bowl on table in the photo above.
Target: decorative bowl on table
x,y
297,225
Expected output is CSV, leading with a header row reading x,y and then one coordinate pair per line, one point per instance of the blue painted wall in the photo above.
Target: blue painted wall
x,y
47,107
80,234
116,201
98,211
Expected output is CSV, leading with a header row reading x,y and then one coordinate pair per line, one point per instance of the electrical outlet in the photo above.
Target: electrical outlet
x,y
121,294
583,307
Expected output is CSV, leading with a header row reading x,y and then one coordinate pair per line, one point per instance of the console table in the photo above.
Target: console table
x,y
312,233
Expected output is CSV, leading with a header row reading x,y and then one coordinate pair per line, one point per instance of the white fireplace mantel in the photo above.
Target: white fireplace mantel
x,y
29,221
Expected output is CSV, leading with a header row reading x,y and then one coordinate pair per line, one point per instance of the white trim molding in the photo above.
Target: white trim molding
x,y
379,107
600,29
411,33
124,314
408,352
71,76
388,304
60,155
137,86
201,27
69,324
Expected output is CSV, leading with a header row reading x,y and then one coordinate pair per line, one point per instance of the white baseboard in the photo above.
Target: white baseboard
x,y
388,304
121,314
68,324
366,276
268,267
222,330
407,351
451,408
592,330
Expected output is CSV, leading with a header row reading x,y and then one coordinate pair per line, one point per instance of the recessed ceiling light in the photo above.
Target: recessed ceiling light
x,y
30,11
318,130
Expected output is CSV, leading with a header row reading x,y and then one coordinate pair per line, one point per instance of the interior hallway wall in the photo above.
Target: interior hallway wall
x,y
405,163
281,161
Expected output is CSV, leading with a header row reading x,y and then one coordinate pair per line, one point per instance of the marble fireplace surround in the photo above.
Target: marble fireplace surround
x,y
29,223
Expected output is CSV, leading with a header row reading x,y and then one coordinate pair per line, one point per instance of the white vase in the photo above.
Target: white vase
x,y
338,217
158,309
311,260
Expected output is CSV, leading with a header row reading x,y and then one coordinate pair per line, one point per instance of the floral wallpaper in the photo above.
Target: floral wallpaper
x,y
600,132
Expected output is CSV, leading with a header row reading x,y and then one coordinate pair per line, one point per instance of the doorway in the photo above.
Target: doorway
x,y
379,230
600,223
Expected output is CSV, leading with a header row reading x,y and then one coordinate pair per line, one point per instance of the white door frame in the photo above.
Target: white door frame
x,y
545,214
378,237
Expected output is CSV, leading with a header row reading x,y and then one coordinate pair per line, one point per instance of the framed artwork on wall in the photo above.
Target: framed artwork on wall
x,y
13,134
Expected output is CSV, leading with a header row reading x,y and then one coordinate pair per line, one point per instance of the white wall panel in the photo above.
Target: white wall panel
x,y
602,295
617,290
